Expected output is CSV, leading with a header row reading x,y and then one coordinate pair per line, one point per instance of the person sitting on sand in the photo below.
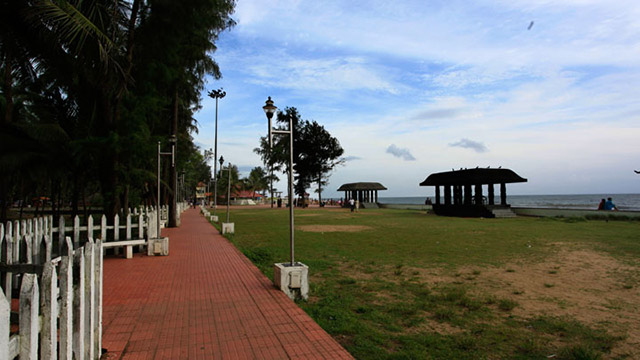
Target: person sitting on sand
x,y
609,205
601,205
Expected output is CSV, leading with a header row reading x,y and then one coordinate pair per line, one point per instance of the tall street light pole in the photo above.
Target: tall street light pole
x,y
216,94
173,160
269,110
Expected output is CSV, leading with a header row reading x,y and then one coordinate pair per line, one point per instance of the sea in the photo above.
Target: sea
x,y
628,202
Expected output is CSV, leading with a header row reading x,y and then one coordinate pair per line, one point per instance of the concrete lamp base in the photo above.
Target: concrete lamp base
x,y
158,247
292,280
214,218
228,228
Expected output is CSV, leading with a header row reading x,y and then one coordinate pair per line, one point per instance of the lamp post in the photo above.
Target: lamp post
x,y
173,159
269,110
216,183
216,94
228,189
173,211
227,227
292,278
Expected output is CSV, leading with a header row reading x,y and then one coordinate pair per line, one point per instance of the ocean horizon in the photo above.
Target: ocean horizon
x,y
628,202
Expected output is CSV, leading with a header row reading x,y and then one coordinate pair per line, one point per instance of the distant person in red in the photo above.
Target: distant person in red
x,y
601,205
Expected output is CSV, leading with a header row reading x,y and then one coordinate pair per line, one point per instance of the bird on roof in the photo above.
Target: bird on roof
x,y
500,167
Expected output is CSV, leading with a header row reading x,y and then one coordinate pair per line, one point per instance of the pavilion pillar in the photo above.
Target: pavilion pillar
x,y
478,194
376,196
457,195
437,194
467,194
491,195
503,194
447,194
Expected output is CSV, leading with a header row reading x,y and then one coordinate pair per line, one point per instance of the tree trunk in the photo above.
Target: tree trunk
x,y
320,190
125,200
75,196
8,90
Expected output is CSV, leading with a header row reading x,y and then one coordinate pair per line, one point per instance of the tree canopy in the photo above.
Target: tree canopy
x,y
315,152
88,89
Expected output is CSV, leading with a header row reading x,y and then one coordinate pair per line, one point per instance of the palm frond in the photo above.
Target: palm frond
x,y
71,25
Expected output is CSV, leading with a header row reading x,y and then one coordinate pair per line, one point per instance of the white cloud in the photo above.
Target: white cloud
x,y
470,144
402,153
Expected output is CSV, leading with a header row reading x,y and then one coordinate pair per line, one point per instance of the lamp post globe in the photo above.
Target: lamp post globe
x,y
269,110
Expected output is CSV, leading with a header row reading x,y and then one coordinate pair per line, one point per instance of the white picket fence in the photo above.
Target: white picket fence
x,y
60,295
65,290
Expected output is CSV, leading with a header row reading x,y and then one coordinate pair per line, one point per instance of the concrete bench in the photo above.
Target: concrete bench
x,y
127,244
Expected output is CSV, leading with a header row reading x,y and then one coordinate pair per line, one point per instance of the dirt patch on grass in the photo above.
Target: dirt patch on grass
x,y
307,215
334,228
589,286
583,284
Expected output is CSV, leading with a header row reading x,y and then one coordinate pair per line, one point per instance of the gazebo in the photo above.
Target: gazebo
x,y
463,191
364,192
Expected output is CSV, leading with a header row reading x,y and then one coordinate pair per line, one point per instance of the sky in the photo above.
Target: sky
x,y
549,89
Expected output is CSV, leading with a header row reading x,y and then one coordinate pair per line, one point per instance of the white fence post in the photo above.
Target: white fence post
x,y
76,232
90,227
78,306
66,302
116,232
98,297
29,322
103,228
49,310
5,325
128,233
89,297
61,236
7,249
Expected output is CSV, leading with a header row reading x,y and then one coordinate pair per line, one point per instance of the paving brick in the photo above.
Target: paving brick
x,y
205,300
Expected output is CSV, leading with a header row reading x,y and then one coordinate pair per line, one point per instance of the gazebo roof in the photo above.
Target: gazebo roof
x,y
473,177
362,186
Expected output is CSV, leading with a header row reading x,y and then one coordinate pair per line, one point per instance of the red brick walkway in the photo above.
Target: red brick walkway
x,y
203,301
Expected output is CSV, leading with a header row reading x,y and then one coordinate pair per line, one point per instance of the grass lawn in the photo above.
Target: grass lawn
x,y
396,284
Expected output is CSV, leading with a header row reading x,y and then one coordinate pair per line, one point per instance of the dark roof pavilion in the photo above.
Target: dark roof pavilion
x,y
473,176
463,191
364,192
362,186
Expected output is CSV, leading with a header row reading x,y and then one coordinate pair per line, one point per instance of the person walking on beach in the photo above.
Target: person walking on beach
x,y
601,205
352,204
609,205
